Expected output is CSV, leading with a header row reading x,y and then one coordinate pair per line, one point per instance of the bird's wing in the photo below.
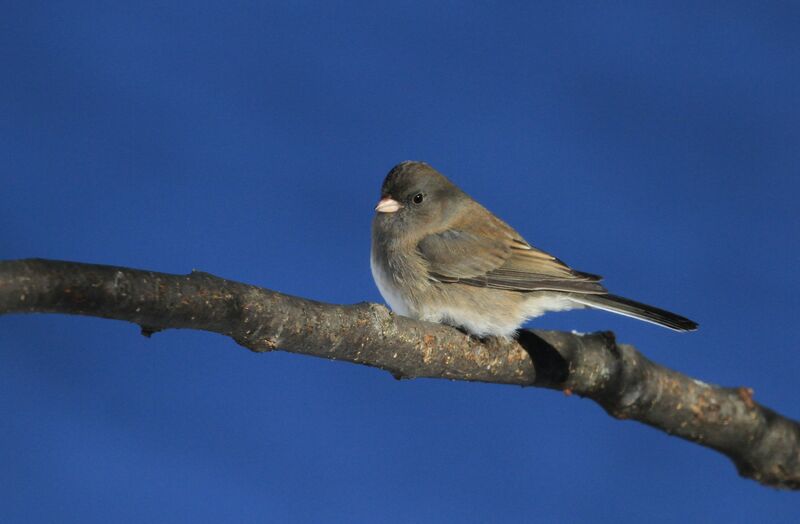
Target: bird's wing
x,y
491,254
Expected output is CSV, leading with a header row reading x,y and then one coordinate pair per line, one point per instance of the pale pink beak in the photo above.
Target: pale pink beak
x,y
387,205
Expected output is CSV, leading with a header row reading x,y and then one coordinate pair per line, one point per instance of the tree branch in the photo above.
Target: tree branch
x,y
763,445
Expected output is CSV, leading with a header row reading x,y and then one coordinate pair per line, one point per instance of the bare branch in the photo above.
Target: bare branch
x,y
763,445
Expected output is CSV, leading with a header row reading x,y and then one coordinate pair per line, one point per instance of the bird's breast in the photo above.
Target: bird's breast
x,y
401,277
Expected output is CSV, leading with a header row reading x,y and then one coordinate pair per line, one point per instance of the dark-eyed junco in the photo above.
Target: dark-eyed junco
x,y
438,255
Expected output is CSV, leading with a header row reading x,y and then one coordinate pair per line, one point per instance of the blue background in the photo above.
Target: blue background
x,y
655,145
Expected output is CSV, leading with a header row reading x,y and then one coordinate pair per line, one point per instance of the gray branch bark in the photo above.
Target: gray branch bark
x,y
763,445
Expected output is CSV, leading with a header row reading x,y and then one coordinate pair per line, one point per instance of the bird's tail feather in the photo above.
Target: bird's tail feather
x,y
637,310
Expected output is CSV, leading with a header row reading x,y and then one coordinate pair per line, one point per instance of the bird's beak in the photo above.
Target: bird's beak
x,y
387,205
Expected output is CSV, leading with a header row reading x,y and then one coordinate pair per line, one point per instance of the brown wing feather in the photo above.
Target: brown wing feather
x,y
482,250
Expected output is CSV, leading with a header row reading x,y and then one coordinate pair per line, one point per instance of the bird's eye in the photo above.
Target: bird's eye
x,y
418,198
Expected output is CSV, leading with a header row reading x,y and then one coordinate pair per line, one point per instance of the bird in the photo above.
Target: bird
x,y
440,256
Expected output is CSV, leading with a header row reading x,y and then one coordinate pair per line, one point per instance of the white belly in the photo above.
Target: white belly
x,y
501,321
480,311
388,290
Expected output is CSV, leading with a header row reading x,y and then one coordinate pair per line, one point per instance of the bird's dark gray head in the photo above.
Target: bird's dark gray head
x,y
416,199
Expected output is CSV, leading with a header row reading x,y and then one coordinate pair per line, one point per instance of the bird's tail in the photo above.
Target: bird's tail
x,y
637,310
